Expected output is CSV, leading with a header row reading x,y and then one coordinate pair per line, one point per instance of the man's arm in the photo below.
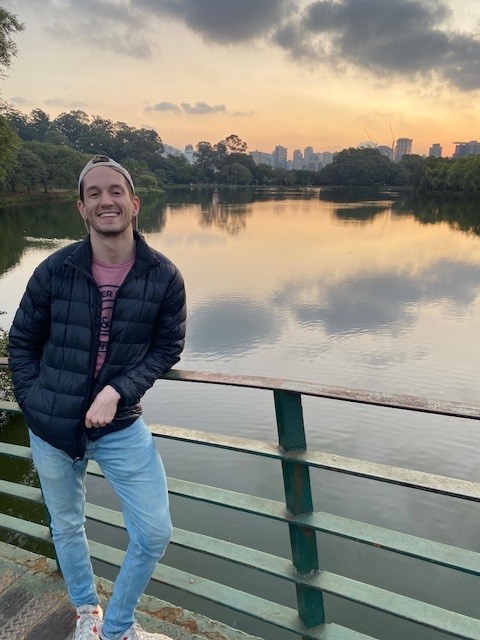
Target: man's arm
x,y
29,332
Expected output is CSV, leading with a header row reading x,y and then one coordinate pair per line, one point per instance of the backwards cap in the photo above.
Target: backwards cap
x,y
104,161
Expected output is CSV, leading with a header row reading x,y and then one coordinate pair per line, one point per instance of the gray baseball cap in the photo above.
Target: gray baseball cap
x,y
104,161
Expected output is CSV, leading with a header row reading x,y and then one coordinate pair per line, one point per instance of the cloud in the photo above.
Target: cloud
x,y
402,38
390,39
199,108
202,108
20,101
63,102
164,106
224,21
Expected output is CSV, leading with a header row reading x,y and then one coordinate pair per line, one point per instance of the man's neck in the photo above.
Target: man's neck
x,y
113,249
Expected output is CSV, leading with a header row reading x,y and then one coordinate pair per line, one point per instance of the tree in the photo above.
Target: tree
x,y
9,142
27,170
9,24
74,126
235,173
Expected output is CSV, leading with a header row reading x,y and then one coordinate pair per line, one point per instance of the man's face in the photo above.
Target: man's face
x,y
108,205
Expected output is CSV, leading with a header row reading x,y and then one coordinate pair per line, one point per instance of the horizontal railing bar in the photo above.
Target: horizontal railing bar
x,y
276,614
400,606
21,491
32,529
443,485
345,394
9,407
15,451
389,540
367,595
379,537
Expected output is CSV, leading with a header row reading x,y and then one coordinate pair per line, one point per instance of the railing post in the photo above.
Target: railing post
x,y
298,498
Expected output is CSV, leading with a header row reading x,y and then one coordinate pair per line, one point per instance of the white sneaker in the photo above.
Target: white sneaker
x,y
135,632
88,618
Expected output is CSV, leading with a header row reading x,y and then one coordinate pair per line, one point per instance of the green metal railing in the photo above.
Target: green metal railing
x,y
309,619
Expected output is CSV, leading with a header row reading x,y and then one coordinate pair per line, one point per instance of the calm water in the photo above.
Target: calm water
x,y
353,288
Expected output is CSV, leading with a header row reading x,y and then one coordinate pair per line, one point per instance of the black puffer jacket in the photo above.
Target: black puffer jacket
x,y
54,338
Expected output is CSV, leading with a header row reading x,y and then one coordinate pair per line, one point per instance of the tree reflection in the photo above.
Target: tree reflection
x,y
230,218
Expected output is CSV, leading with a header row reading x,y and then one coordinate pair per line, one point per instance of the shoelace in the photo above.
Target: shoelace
x,y
86,625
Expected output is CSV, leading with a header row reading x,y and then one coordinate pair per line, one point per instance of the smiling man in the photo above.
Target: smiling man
x,y
99,322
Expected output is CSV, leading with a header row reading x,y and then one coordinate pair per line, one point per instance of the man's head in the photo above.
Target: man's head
x,y
107,200
103,161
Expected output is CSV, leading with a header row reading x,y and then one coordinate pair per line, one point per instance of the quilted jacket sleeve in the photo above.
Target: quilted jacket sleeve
x,y
165,348
29,332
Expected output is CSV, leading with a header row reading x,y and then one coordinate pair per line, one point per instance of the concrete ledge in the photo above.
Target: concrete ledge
x,y
153,614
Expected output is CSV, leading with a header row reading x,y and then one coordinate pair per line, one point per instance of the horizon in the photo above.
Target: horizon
x,y
330,74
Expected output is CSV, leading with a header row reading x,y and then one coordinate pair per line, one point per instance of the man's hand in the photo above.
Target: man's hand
x,y
103,409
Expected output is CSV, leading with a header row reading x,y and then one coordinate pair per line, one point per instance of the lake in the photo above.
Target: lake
x,y
358,288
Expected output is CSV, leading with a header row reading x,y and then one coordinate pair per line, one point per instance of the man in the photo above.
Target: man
x,y
100,321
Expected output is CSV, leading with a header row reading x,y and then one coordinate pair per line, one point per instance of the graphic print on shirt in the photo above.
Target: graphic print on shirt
x,y
109,278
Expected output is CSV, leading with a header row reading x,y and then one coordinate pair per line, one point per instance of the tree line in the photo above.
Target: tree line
x,y
41,153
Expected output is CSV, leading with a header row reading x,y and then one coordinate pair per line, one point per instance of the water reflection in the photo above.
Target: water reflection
x,y
232,326
373,302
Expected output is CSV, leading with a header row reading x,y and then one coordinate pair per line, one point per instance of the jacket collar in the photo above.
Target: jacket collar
x,y
81,257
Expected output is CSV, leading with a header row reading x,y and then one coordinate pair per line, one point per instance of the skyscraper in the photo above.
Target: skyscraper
x,y
280,157
402,148
435,150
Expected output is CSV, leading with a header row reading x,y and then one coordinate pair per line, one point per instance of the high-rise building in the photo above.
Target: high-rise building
x,y
385,151
297,161
463,149
435,150
307,155
259,157
280,157
402,148
189,153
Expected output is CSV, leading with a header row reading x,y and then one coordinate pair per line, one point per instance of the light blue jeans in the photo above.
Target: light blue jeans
x,y
132,465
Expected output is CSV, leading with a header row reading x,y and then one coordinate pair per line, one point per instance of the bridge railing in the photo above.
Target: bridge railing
x,y
309,619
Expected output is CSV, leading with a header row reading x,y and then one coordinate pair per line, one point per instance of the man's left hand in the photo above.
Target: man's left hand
x,y
103,409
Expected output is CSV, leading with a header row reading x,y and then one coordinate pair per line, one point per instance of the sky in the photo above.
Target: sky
x,y
329,74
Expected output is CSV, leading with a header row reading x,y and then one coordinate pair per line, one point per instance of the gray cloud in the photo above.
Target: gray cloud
x,y
389,38
64,102
224,21
164,106
21,101
403,38
202,108
199,108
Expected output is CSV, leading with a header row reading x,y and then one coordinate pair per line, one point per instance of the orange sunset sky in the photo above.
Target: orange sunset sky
x,y
328,74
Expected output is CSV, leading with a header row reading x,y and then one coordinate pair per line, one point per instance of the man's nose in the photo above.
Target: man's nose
x,y
106,199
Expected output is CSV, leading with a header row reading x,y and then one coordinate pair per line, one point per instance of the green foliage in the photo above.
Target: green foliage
x,y
9,24
9,142
6,390
359,167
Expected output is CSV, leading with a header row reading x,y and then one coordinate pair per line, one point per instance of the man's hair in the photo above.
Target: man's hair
x,y
103,161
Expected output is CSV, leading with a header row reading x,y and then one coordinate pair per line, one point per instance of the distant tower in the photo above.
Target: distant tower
x,y
280,157
385,151
463,149
435,150
297,162
402,148
189,153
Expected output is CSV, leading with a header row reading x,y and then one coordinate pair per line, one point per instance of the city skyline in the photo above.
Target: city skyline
x,y
323,73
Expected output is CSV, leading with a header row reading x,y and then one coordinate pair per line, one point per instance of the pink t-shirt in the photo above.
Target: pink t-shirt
x,y
109,279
